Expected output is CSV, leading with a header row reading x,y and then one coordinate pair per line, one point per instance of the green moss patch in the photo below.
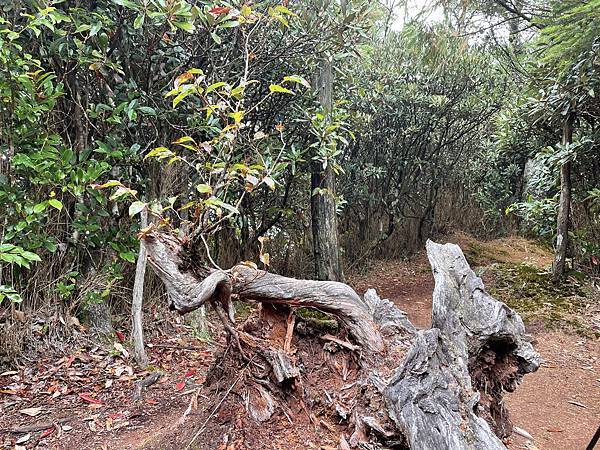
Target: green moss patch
x,y
531,292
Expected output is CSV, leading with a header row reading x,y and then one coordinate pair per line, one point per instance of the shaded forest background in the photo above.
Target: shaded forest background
x,y
306,136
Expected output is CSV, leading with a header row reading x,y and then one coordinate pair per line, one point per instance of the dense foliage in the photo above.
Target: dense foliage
x,y
206,116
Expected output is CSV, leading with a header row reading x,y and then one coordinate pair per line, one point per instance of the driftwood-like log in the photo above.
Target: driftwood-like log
x,y
447,391
327,296
187,292
455,373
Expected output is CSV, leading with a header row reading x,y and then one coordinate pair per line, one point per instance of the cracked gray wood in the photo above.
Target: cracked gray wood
x,y
447,391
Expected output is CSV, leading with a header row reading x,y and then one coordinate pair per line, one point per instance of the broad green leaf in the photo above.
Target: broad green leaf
x,y
215,37
127,3
184,139
136,207
160,153
236,116
185,26
214,86
30,256
139,21
204,189
108,184
127,256
39,208
278,88
269,182
55,203
297,79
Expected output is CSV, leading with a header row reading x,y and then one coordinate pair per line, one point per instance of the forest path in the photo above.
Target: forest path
x,y
559,405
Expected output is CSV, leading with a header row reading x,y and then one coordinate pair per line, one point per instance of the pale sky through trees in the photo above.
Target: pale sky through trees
x,y
412,9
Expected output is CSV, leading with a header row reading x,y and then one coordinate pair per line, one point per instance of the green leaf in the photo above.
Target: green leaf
x,y
55,203
147,110
214,86
269,182
30,256
278,88
128,256
108,184
180,97
237,116
184,139
136,207
127,3
204,189
284,10
215,37
123,191
50,246
160,153
185,26
139,21
39,207
297,79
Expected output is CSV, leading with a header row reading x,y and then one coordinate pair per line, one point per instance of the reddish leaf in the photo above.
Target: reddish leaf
x,y
115,415
217,10
179,386
190,373
120,336
46,433
185,76
595,261
151,402
88,398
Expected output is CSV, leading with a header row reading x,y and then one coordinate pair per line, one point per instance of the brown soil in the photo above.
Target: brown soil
x,y
570,373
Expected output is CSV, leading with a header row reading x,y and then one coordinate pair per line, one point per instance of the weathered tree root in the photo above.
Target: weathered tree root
x,y
435,389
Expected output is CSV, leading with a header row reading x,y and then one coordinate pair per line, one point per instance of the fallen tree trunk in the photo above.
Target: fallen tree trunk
x,y
435,389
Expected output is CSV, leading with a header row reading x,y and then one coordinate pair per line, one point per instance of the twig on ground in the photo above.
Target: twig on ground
x,y
42,425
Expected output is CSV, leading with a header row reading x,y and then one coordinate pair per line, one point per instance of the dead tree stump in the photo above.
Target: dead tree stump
x,y
392,385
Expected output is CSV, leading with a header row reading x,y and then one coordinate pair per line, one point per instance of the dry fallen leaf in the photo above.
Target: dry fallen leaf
x,y
67,428
32,412
23,439
119,347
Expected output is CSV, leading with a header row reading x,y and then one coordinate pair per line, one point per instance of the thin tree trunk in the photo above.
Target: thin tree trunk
x,y
322,203
136,305
562,231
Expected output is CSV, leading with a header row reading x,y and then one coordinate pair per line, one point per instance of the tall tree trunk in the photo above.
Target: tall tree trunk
x,y
322,203
562,231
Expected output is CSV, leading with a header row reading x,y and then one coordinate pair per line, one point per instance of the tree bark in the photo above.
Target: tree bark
x,y
564,206
322,200
139,351
455,373
445,394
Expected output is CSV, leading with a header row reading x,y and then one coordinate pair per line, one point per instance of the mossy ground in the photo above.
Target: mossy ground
x,y
530,291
